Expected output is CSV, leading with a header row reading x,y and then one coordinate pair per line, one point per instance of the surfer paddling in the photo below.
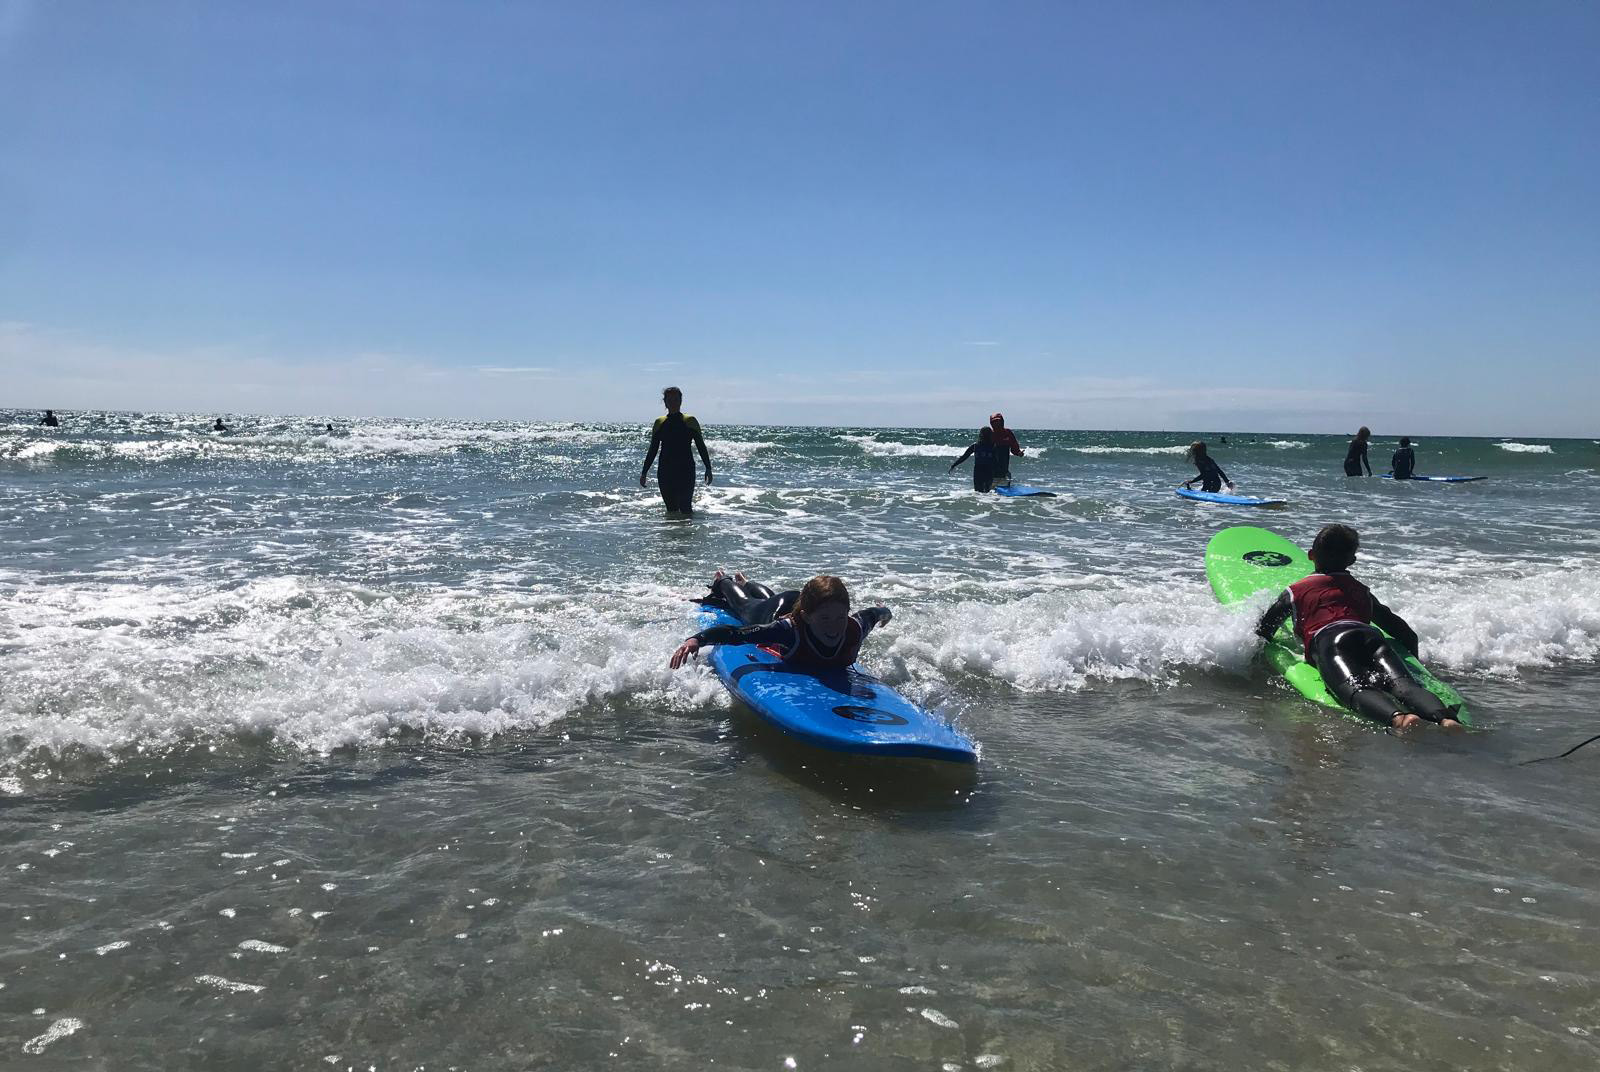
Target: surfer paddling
x,y
1337,620
811,628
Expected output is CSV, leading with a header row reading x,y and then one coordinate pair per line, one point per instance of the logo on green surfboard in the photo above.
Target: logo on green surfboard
x,y
1268,559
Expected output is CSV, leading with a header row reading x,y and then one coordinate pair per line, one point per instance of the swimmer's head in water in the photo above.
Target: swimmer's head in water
x,y
823,607
1335,547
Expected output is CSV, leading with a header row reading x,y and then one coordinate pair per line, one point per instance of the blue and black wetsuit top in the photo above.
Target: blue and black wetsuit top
x,y
796,644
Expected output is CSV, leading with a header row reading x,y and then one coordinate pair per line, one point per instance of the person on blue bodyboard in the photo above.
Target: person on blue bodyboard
x,y
1211,476
1336,619
811,628
988,458
1404,461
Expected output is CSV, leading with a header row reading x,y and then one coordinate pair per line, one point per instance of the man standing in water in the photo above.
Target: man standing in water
x,y
1006,445
672,436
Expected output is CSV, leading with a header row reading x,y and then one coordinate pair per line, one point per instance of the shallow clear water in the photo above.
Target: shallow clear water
x,y
361,750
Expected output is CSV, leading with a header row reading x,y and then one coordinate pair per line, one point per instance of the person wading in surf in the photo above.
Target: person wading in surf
x,y
1005,440
1356,456
672,436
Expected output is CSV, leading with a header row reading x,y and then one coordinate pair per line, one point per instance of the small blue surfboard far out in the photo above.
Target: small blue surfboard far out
x,y
837,710
1435,479
1228,500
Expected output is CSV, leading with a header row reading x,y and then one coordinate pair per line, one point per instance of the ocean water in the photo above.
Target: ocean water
x,y
360,750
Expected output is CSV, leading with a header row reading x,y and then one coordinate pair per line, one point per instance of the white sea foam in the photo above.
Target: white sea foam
x,y
324,666
1527,448
319,664
217,982
1178,449
738,449
893,449
1287,444
63,1027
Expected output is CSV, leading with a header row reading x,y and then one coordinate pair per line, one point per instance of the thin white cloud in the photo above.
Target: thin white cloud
x,y
512,370
982,342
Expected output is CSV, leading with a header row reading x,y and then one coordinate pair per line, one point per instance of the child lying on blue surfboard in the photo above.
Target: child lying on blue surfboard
x,y
811,628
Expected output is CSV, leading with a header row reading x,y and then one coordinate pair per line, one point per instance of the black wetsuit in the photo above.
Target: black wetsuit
x,y
1361,667
988,460
1356,457
1404,463
675,437
1211,475
49,421
759,607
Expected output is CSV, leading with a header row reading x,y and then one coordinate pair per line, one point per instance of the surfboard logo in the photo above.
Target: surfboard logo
x,y
1268,559
869,714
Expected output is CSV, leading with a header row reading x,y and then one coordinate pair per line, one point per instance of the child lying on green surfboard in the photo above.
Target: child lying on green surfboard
x,y
1337,618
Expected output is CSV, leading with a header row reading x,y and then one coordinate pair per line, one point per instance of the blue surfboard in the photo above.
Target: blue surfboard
x,y
1228,500
1018,491
838,710
1437,479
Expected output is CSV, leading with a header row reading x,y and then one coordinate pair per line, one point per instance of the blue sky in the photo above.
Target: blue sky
x,y
1279,216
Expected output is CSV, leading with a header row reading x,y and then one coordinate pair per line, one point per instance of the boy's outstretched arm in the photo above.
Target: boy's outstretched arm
x,y
1275,615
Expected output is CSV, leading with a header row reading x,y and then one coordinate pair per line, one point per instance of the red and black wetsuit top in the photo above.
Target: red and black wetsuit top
x,y
1325,599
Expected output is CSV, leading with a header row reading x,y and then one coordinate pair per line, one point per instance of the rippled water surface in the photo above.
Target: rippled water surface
x,y
360,749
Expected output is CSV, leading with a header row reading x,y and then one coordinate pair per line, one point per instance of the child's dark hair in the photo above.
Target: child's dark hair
x,y
823,588
1335,547
1363,432
1405,441
986,434
665,391
1197,449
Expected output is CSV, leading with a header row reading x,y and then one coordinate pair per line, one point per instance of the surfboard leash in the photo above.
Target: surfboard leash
x,y
1563,755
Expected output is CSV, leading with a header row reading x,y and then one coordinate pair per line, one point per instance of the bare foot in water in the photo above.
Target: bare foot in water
x,y
1450,725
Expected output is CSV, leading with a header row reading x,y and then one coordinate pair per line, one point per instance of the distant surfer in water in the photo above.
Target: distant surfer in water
x,y
812,628
1334,616
1356,456
50,420
1404,461
674,436
1006,442
987,458
1211,476
219,426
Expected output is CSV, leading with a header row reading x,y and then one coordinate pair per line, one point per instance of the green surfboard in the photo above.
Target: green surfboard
x,y
1244,560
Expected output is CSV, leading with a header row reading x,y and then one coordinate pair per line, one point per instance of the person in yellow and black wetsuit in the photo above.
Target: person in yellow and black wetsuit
x,y
675,436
